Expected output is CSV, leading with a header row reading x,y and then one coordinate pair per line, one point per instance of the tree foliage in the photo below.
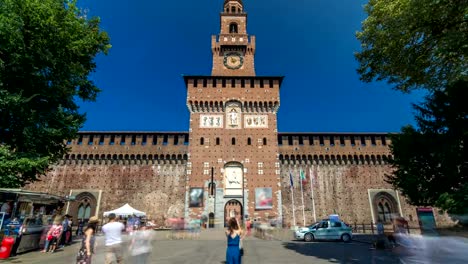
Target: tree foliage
x,y
414,43
431,161
47,50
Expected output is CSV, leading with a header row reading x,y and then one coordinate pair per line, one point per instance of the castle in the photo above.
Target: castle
x,y
232,161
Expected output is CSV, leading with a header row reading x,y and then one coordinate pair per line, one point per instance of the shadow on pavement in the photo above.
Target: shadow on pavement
x,y
339,252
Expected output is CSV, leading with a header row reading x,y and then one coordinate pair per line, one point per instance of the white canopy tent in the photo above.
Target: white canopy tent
x,y
125,210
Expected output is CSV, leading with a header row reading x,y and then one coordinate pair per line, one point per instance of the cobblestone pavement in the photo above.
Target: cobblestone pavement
x,y
210,247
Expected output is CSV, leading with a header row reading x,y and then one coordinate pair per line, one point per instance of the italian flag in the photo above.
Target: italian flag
x,y
303,177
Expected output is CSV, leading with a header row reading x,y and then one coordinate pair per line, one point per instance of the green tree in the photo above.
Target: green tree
x,y
414,43
431,161
47,50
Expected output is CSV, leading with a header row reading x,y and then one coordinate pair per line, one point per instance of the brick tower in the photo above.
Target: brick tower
x,y
233,168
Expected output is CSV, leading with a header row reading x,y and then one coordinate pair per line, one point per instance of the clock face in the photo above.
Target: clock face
x,y
233,60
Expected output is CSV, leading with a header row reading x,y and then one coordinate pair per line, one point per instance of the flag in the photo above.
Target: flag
x,y
302,177
291,181
313,176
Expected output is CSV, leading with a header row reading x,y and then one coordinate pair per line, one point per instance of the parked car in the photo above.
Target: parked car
x,y
325,230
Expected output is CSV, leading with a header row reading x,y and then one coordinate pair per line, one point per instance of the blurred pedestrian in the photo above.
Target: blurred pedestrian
x,y
48,238
65,227
113,233
141,245
248,226
79,230
88,242
56,233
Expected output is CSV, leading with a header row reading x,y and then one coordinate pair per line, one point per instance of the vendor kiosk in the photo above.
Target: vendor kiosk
x,y
30,217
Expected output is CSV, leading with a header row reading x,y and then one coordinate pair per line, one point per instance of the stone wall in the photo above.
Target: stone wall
x,y
342,189
157,189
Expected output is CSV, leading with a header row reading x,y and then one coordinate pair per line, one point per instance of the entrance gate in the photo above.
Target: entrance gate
x,y
233,208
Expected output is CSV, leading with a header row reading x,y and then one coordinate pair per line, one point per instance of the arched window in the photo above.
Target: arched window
x,y
249,141
233,141
217,141
387,212
202,141
380,210
264,141
81,211
233,9
233,28
384,212
87,212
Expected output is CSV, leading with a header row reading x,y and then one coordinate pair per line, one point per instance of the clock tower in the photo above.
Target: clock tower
x,y
233,49
233,167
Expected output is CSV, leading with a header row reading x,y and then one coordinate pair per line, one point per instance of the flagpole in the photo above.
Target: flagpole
x,y
294,209
302,194
312,194
292,198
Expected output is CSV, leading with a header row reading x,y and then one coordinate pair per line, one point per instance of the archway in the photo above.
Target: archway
x,y
233,208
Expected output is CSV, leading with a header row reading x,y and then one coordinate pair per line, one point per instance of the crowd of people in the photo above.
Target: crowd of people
x,y
139,248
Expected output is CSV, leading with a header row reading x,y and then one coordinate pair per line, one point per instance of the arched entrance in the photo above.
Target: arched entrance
x,y
233,208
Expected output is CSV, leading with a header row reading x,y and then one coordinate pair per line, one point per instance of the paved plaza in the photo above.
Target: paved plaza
x,y
210,248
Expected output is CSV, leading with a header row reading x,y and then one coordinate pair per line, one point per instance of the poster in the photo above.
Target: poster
x,y
426,220
263,198
196,197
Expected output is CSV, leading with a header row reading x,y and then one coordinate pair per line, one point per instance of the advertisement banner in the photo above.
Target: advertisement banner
x,y
196,197
263,198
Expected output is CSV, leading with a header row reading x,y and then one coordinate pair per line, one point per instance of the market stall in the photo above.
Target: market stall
x,y
27,215
125,211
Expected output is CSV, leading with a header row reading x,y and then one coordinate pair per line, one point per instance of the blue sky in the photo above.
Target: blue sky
x,y
311,43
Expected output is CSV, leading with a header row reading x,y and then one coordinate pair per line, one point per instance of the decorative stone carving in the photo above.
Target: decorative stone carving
x,y
211,121
256,121
233,115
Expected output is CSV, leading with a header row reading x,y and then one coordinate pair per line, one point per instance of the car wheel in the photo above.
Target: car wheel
x,y
346,238
308,237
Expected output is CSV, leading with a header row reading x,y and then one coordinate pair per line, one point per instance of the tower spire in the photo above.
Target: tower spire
x,y
233,49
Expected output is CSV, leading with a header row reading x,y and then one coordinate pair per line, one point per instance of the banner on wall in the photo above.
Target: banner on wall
x,y
196,197
263,198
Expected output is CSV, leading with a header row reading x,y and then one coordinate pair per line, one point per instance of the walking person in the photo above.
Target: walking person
x,y
70,233
79,230
65,227
88,242
113,234
141,245
233,233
